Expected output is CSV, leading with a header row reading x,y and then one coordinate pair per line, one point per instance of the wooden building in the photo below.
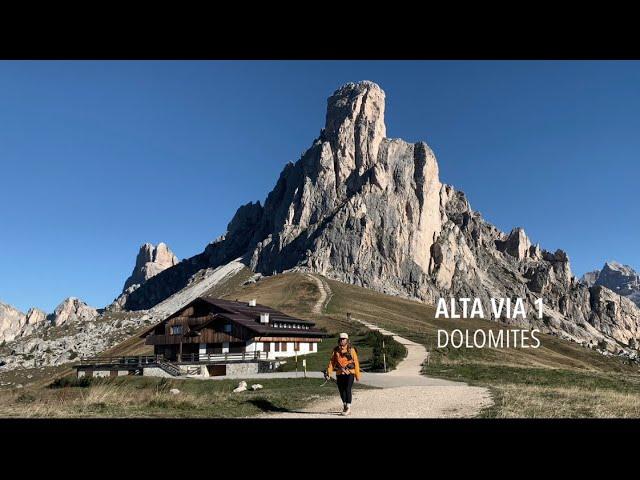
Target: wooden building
x,y
208,329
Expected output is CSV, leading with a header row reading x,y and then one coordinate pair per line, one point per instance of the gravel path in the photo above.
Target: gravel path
x,y
324,291
402,393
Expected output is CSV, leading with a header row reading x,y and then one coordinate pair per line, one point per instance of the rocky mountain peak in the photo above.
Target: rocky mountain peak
x,y
621,279
617,268
355,127
35,316
11,322
369,210
72,309
150,261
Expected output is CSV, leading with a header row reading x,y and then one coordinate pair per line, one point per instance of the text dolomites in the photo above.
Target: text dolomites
x,y
499,308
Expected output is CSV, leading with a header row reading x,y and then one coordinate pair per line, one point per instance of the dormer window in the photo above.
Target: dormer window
x,y
227,327
176,330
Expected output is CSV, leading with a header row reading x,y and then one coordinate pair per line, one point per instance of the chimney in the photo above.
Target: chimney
x,y
264,318
252,302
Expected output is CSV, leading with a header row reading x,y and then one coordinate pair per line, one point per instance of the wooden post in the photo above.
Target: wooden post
x,y
384,356
180,353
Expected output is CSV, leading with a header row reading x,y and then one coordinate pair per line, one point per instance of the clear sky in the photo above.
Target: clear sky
x,y
99,157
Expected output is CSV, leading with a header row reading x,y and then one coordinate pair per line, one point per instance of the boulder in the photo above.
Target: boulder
x,y
242,386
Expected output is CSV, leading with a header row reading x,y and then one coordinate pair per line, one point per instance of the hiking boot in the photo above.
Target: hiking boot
x,y
347,411
344,407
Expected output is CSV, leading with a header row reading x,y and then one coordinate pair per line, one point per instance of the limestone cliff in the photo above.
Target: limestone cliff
x,y
370,210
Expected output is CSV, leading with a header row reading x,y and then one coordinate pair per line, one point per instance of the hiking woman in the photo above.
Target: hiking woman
x,y
344,361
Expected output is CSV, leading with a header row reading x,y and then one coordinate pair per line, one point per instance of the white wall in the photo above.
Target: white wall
x,y
252,346
304,349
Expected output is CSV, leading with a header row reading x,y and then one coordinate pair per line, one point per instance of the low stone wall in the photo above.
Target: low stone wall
x,y
155,372
242,369
233,369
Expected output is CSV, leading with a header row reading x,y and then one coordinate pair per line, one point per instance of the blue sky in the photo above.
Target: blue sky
x,y
99,157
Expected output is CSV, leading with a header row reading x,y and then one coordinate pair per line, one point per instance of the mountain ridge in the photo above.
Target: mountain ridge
x,y
369,210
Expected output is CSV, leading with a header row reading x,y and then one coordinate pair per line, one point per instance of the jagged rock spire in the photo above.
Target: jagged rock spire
x,y
150,261
355,127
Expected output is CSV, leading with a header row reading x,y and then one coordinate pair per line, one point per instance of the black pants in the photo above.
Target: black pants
x,y
345,383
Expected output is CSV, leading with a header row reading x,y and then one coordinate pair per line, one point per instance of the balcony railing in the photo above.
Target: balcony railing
x,y
149,360
222,357
126,361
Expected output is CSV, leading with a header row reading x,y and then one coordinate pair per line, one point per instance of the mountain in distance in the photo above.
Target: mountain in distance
x,y
15,324
150,261
621,279
365,209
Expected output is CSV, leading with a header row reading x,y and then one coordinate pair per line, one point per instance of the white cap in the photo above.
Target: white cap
x,y
344,335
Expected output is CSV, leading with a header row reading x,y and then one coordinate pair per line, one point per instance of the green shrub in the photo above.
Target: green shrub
x,y
71,381
25,398
393,350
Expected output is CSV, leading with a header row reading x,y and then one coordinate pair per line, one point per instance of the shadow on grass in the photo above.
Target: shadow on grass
x,y
267,406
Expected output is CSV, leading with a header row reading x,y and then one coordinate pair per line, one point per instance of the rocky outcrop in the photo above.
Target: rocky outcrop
x,y
73,309
35,316
12,321
615,316
15,324
150,261
370,210
62,344
589,278
622,279
519,246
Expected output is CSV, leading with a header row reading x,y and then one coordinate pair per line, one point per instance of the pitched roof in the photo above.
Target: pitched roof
x,y
248,316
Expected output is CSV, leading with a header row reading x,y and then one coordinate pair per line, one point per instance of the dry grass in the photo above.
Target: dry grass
x,y
150,397
566,402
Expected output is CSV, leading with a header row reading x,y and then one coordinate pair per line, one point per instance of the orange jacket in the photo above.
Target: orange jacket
x,y
339,361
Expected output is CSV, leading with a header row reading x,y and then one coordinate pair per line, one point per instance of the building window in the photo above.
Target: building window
x,y
276,346
176,330
296,346
283,346
266,347
227,328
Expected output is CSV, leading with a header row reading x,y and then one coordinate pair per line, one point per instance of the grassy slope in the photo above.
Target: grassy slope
x,y
559,379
